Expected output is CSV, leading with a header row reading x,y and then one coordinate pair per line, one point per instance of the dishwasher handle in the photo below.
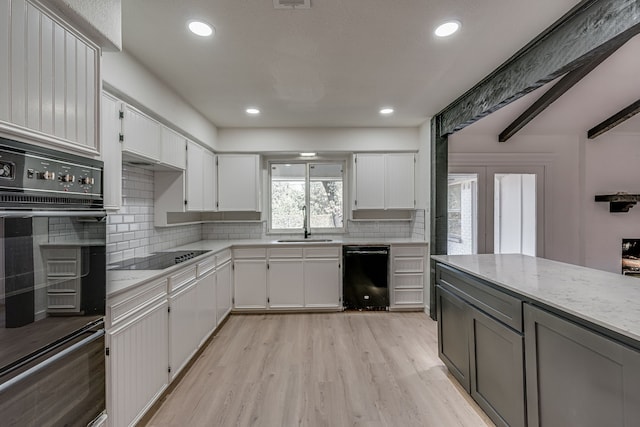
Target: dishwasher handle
x,y
363,250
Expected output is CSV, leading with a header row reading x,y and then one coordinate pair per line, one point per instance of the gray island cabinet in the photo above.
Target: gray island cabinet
x,y
541,343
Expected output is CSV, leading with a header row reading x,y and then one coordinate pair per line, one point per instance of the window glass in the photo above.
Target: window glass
x,y
287,196
325,181
318,187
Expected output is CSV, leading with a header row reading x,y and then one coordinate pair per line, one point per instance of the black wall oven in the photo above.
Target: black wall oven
x,y
52,287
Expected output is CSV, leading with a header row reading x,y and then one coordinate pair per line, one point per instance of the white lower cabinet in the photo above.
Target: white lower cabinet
x,y
250,278
322,281
207,305
322,277
408,276
285,278
154,329
137,352
224,289
183,333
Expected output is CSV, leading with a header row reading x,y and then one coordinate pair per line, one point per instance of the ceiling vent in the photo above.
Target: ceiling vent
x,y
292,4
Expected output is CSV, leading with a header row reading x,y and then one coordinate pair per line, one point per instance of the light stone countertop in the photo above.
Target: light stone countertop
x,y
119,281
608,300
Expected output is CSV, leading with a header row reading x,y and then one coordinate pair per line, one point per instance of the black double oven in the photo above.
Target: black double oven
x,y
52,287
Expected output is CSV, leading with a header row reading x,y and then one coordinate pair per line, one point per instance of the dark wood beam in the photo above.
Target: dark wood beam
x,y
588,30
550,96
439,203
614,120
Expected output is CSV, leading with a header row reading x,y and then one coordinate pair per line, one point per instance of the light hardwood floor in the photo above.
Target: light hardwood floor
x,y
333,369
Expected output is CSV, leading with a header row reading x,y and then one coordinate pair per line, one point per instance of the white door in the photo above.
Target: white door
x,y
250,279
195,163
322,282
223,291
496,209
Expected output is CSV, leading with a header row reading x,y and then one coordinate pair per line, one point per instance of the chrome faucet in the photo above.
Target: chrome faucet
x,y
307,233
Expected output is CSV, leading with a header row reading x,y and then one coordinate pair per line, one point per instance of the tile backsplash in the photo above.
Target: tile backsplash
x,y
131,233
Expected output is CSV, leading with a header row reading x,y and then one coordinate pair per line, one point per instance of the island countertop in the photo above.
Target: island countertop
x,y
609,301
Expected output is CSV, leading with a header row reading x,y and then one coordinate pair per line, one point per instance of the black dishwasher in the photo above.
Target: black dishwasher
x,y
365,277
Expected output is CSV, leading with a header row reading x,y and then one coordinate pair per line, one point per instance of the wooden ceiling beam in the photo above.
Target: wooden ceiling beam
x,y
614,120
550,96
584,33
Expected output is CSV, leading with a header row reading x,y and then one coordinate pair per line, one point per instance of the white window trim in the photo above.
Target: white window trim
x,y
345,196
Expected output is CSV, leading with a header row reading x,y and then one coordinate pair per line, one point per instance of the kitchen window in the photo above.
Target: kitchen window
x,y
306,195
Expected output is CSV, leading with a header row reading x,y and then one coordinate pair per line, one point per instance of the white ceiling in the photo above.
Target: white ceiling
x,y
609,88
334,65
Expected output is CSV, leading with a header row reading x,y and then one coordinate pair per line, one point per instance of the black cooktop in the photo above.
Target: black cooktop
x,y
156,261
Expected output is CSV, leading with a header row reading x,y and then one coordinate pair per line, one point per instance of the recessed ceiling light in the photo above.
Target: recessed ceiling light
x,y
386,111
307,154
448,28
200,28
253,111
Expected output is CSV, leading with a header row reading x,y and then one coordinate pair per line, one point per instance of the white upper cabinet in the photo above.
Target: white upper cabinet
x,y
172,148
48,79
209,187
399,173
239,182
195,167
141,135
369,172
111,151
384,181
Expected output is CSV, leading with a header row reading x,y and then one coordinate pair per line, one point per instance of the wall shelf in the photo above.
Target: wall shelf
x,y
619,202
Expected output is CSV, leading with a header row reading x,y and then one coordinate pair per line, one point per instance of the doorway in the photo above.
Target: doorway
x,y
496,209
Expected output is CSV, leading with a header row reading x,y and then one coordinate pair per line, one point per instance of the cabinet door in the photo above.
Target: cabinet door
x,y
195,155
576,377
172,148
286,288
370,181
453,335
207,319
250,280
183,331
224,287
48,78
209,184
497,370
238,182
111,151
137,365
400,181
141,135
322,281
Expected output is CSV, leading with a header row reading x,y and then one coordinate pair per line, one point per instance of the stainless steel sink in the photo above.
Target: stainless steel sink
x,y
304,240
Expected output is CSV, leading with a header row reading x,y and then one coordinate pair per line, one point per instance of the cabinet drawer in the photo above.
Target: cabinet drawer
x,y
408,296
408,281
410,251
129,303
222,257
326,252
501,306
408,265
182,278
205,266
250,253
285,253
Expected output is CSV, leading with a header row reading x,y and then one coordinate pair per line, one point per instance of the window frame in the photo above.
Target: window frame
x,y
307,162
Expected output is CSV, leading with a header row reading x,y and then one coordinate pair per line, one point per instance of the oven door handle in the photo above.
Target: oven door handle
x,y
61,213
367,252
40,366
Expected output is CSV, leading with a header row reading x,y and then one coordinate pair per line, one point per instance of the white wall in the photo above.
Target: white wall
x,y
611,164
100,20
317,139
129,80
559,154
